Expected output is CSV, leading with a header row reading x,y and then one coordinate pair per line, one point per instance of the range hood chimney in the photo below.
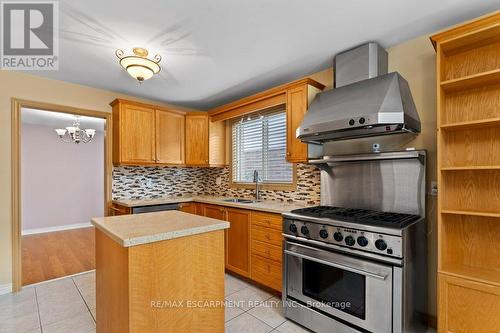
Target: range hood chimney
x,y
366,100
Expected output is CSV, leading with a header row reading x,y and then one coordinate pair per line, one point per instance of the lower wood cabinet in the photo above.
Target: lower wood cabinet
x,y
467,306
238,241
215,212
189,207
267,249
115,210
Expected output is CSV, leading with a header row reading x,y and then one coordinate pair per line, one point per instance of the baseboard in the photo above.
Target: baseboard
x,y
57,228
5,288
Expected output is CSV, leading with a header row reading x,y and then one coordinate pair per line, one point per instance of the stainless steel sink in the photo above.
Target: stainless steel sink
x,y
238,200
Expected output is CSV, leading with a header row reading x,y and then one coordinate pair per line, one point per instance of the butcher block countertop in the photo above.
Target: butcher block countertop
x,y
132,230
270,206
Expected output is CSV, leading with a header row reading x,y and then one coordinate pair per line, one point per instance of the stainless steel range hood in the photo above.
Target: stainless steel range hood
x,y
366,100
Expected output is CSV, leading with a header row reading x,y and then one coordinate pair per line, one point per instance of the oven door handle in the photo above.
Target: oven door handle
x,y
344,267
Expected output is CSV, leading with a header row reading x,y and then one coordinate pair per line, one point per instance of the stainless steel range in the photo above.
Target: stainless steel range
x,y
357,263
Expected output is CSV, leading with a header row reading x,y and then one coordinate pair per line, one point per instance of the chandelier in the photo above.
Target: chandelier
x,y
75,134
138,65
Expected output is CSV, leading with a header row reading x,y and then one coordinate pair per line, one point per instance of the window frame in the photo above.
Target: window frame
x,y
263,186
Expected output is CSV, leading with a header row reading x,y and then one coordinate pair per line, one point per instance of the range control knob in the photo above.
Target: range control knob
x,y
323,233
381,244
304,230
349,240
292,228
361,120
351,122
338,236
362,241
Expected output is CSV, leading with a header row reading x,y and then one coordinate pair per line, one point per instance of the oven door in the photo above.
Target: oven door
x,y
356,291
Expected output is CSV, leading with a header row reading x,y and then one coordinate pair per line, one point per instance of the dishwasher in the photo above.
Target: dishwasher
x,y
154,208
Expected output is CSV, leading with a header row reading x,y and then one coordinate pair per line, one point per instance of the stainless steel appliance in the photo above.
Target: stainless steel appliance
x,y
367,101
154,208
357,263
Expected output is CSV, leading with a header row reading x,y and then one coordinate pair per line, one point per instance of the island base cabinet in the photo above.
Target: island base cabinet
x,y
165,286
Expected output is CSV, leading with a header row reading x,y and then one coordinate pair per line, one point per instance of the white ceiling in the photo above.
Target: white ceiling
x,y
58,119
220,50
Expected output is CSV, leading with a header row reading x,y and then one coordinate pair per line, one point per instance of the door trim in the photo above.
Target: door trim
x,y
16,106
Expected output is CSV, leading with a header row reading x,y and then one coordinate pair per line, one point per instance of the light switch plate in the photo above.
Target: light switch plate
x,y
434,188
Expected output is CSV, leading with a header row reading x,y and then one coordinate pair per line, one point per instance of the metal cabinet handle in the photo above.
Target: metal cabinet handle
x,y
347,268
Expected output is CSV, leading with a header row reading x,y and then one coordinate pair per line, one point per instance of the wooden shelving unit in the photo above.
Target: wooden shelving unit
x,y
468,92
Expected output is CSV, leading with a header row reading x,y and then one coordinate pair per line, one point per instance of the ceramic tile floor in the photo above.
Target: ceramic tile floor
x,y
68,305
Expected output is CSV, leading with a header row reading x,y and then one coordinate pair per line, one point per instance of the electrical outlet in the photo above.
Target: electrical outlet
x,y
218,181
434,188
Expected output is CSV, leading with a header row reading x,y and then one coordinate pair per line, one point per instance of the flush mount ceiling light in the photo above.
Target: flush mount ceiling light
x,y
75,134
138,65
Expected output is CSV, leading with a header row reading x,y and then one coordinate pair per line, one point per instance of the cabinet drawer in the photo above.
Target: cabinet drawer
x,y
266,235
266,272
272,221
268,251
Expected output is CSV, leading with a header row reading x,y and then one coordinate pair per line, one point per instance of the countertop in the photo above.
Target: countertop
x,y
131,230
266,205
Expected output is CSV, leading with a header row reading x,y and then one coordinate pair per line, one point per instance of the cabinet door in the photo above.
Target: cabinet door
x,y
296,108
237,241
137,134
467,306
217,143
169,137
197,139
215,212
188,207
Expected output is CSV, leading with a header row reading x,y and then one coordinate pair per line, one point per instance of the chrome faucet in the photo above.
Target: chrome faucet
x,y
256,181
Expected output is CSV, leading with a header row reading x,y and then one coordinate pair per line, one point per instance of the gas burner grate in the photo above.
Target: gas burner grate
x,y
357,215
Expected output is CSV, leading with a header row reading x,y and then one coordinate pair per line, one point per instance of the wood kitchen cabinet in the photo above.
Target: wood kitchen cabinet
x,y
134,134
169,137
197,139
191,208
238,241
468,141
298,100
205,141
116,210
215,212
146,134
266,249
296,105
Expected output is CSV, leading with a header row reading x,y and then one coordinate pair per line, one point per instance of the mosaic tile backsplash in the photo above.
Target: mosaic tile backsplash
x,y
130,182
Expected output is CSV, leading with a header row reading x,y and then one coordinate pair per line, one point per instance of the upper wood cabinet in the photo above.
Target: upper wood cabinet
x,y
197,139
146,134
295,96
296,108
205,141
169,137
134,134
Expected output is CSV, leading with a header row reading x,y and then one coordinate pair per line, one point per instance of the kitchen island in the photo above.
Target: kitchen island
x,y
159,272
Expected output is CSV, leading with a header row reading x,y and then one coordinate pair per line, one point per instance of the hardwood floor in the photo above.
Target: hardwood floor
x,y
56,254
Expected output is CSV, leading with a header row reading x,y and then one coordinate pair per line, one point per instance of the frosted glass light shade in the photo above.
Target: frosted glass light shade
x,y
60,131
90,132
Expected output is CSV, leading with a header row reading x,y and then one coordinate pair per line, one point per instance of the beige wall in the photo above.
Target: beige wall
x,y
29,87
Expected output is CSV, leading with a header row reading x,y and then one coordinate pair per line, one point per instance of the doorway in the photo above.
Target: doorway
x,y
57,187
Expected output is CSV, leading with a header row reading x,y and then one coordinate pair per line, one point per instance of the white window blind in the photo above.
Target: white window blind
x,y
259,143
